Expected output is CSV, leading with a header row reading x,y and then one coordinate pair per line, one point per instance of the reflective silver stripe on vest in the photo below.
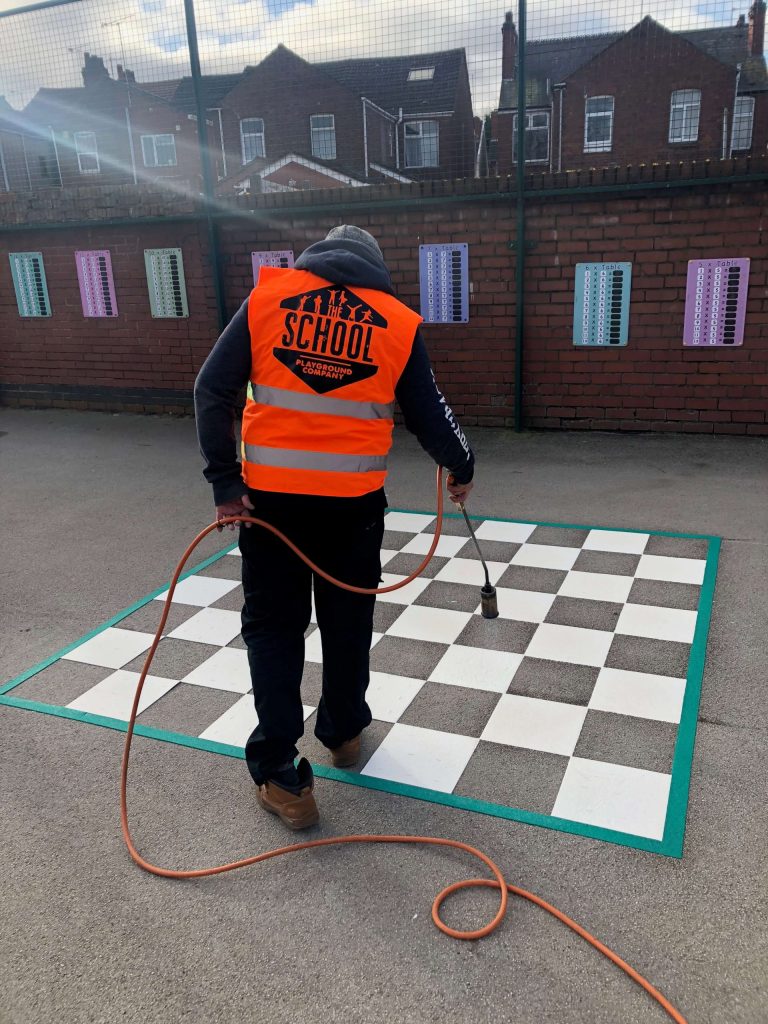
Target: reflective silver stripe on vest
x,y
329,462
282,398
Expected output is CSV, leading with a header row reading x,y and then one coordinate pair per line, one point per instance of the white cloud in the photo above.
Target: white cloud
x,y
44,48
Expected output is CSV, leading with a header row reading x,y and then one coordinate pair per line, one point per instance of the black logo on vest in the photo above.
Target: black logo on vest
x,y
327,339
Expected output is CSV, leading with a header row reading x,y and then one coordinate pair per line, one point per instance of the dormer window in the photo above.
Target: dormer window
x,y
421,74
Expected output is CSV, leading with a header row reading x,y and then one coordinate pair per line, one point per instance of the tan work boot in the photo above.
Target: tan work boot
x,y
347,754
296,810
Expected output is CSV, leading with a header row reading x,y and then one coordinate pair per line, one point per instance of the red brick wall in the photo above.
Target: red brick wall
x,y
131,351
652,384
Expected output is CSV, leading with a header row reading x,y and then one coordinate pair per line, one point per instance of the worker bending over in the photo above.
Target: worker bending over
x,y
325,349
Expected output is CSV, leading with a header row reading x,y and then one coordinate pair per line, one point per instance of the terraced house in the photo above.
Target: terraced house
x,y
283,124
642,96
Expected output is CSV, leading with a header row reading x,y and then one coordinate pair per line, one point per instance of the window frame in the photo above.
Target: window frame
x,y
154,138
601,146
425,74
93,154
683,104
748,146
313,132
421,136
253,135
530,128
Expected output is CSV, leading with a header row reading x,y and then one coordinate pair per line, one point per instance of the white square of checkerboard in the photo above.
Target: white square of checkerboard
x,y
533,724
570,644
388,696
111,648
421,622
470,572
313,650
407,522
227,669
508,533
545,556
522,605
447,545
614,796
639,695
209,626
622,542
596,586
671,570
476,668
199,591
404,595
426,758
113,697
654,623
238,722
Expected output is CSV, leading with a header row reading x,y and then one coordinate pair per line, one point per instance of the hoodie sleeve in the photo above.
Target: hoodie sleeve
x,y
430,418
221,379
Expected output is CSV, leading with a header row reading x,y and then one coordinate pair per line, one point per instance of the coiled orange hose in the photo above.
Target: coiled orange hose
x,y
497,882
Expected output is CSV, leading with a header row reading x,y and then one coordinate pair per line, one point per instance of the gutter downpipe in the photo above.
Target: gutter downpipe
x,y
397,138
130,143
735,99
55,153
365,134
520,210
205,163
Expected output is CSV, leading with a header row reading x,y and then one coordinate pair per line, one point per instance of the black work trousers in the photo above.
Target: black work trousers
x,y
277,587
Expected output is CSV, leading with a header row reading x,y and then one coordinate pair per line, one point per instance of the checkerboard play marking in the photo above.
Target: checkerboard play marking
x,y
575,709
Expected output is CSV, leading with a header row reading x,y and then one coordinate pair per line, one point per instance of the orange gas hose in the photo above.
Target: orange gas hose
x,y
497,882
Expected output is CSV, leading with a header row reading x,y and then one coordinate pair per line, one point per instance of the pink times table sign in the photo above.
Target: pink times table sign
x,y
716,302
97,286
271,258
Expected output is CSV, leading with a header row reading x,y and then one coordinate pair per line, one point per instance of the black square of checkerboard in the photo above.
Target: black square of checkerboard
x,y
567,705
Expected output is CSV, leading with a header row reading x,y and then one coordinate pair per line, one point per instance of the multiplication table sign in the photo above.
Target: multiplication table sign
x,y
97,285
716,302
601,304
271,258
29,283
165,280
444,283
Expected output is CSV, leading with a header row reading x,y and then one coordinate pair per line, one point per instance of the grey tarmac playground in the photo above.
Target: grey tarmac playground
x,y
96,510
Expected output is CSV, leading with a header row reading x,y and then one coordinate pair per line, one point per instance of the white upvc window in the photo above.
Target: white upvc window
x,y
87,152
252,142
684,112
422,144
743,116
158,150
323,132
536,137
598,124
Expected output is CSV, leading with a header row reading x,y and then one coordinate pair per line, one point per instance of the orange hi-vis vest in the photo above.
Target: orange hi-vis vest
x,y
325,362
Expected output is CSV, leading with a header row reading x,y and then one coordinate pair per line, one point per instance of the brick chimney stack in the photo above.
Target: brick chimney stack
x,y
93,70
756,31
509,47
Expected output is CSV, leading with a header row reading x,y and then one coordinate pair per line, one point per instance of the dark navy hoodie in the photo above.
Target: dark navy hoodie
x,y
227,370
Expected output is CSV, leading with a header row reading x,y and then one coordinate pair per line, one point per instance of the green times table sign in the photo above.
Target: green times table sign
x,y
601,304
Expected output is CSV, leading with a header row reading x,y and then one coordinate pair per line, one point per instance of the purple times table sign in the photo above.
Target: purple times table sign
x,y
444,283
270,258
716,302
97,286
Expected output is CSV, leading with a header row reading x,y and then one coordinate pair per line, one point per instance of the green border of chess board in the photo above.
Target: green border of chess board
x,y
671,844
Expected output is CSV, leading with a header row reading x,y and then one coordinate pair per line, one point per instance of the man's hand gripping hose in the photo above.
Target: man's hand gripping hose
x,y
497,882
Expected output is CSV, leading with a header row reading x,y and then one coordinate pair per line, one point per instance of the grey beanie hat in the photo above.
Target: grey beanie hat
x,y
351,233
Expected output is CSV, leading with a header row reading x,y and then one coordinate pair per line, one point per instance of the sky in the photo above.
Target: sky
x,y
44,48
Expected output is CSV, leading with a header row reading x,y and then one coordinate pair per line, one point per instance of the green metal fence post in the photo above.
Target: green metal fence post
x,y
205,161
520,200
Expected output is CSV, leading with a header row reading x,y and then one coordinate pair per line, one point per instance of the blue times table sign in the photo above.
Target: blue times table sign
x,y
601,304
444,283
